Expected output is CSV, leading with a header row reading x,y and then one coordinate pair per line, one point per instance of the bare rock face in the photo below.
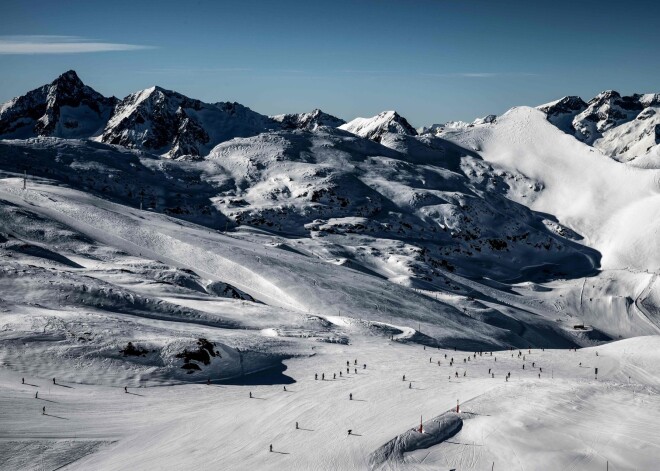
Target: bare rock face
x,y
64,108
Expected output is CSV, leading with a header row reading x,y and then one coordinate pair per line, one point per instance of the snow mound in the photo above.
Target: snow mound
x,y
435,431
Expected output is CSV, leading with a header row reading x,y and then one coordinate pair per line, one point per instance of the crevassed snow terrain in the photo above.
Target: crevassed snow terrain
x,y
338,276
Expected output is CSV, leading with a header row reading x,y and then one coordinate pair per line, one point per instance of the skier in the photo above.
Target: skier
x,y
488,370
296,425
364,367
340,374
36,395
250,394
322,376
348,363
334,375
404,378
125,389
465,373
348,370
533,363
350,431
350,396
456,374
355,361
271,447
541,370
54,381
43,411
355,370
493,375
430,360
523,366
409,385
316,376
22,380
284,388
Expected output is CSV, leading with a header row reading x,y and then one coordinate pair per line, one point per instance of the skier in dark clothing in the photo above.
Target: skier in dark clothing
x,y
296,425
350,431
284,388
316,376
54,381
271,448
125,389
350,397
250,394
404,378
22,380
43,411
36,395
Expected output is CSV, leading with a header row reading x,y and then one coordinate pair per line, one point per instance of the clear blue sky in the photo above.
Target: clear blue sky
x,y
432,60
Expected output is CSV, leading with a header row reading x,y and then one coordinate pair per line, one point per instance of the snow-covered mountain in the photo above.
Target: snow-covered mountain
x,y
64,108
373,128
623,127
309,121
166,122
348,277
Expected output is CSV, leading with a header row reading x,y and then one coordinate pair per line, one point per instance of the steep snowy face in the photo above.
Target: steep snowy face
x,y
561,112
64,108
605,111
169,123
374,128
309,121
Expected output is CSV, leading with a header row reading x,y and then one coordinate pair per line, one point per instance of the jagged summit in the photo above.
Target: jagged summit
x,y
373,128
309,121
167,122
623,127
66,107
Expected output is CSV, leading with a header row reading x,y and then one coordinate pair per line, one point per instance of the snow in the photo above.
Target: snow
x,y
618,221
292,265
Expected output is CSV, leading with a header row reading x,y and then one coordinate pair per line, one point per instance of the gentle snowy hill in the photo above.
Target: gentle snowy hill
x,y
64,108
166,122
374,128
615,206
309,121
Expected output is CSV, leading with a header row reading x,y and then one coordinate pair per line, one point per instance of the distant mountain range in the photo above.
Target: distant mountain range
x,y
167,123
